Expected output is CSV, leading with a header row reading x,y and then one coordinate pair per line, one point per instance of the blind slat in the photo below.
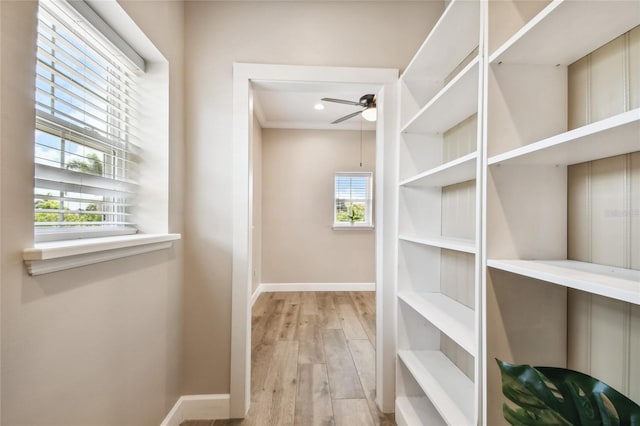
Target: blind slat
x,y
76,200
53,174
57,126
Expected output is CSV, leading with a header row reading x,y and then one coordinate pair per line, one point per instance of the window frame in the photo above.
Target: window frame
x,y
368,223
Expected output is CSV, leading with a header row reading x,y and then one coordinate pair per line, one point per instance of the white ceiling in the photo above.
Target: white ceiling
x,y
289,105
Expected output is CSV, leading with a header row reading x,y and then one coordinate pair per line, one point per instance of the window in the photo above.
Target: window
x,y
86,147
352,199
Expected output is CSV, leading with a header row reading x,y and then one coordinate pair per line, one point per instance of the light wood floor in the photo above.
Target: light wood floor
x,y
313,361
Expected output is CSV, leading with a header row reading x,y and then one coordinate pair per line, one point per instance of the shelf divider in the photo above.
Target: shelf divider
x,y
456,171
616,283
457,244
455,102
451,317
412,411
565,31
446,45
605,138
450,391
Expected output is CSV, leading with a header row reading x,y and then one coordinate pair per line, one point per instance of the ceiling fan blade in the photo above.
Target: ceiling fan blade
x,y
342,101
346,117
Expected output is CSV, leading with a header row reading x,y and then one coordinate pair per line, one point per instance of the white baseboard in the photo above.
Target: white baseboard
x,y
198,407
276,287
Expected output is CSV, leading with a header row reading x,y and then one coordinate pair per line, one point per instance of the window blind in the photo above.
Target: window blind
x,y
86,146
353,198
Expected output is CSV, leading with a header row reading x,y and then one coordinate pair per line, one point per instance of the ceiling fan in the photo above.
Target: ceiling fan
x,y
369,112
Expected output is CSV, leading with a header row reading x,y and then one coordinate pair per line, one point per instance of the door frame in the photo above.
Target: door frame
x,y
386,218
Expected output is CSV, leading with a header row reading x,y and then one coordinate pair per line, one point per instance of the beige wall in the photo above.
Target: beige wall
x,y
99,344
299,244
220,33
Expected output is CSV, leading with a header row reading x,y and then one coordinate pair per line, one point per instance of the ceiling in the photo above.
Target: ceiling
x,y
290,105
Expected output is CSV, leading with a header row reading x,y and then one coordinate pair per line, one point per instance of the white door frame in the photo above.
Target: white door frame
x,y
386,222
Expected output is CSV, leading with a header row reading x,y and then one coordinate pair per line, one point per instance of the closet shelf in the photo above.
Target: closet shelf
x,y
616,283
452,318
459,170
605,138
457,244
455,102
566,30
450,391
446,45
413,411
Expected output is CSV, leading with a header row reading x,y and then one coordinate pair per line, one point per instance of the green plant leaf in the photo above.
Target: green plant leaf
x,y
558,396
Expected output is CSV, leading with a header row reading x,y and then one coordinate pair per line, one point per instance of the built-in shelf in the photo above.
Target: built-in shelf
x,y
446,46
466,246
459,170
612,136
450,391
412,411
450,316
455,102
565,31
439,90
616,283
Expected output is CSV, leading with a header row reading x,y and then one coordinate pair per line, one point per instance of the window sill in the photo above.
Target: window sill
x,y
350,227
61,255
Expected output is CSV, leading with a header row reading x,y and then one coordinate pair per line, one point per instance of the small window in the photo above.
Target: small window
x,y
353,200
86,151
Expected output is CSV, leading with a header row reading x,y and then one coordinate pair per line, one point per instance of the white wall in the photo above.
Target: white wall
x,y
299,244
99,344
367,34
256,140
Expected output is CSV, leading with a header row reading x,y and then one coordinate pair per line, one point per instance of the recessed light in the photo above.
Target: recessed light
x,y
318,107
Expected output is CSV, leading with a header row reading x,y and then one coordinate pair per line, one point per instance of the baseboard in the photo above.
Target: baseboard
x,y
198,407
276,287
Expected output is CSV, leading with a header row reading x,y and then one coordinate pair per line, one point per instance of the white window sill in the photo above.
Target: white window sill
x,y
352,227
60,255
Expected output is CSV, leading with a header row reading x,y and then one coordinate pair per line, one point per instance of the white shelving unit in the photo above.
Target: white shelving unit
x,y
485,232
438,270
530,313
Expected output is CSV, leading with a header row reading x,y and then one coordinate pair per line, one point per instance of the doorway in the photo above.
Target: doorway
x,y
385,192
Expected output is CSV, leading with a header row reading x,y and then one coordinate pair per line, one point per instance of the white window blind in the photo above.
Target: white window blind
x,y
86,153
353,199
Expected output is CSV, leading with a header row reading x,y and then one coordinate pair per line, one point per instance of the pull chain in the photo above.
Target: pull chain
x,y
361,142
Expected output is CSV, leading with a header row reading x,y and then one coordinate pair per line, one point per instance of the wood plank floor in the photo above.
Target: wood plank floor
x,y
313,361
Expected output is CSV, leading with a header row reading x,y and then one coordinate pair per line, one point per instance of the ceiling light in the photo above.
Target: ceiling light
x,y
370,114
318,107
